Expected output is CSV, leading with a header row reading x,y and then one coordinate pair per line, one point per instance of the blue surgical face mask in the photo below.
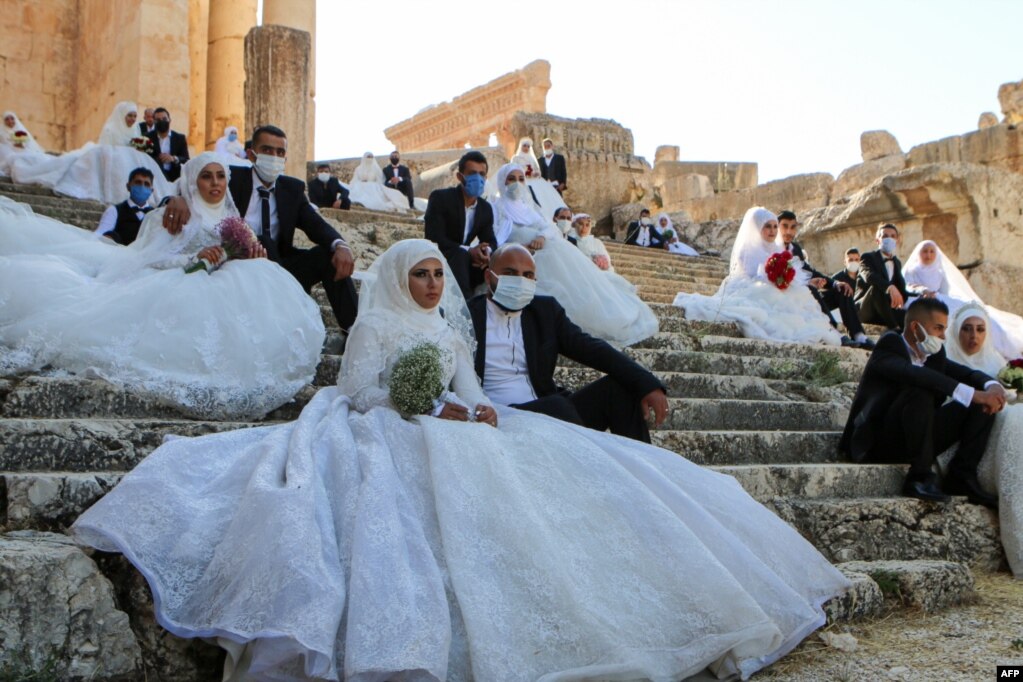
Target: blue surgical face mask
x,y
140,194
474,184
233,137
513,292
888,245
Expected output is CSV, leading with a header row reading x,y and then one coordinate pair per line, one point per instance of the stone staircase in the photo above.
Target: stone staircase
x,y
769,414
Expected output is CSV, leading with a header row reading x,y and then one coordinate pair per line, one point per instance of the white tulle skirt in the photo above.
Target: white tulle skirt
x,y
763,311
96,171
233,344
377,197
362,546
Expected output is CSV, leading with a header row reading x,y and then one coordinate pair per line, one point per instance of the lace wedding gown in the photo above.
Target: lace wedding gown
x,y
355,544
762,310
233,344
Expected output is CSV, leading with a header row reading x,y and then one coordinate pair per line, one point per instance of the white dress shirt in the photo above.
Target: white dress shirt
x,y
470,216
889,265
643,238
505,374
165,148
963,393
108,221
254,213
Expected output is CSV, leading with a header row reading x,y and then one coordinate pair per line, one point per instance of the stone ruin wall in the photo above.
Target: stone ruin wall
x,y
473,116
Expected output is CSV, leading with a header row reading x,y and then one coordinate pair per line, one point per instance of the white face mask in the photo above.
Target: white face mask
x,y
853,266
514,191
646,222
888,245
564,225
269,167
929,345
323,177
514,292
548,152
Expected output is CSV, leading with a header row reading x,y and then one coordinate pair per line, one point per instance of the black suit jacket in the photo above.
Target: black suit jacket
x,y
889,370
144,129
445,220
797,251
178,148
843,276
293,211
547,332
324,195
556,171
873,273
632,233
403,172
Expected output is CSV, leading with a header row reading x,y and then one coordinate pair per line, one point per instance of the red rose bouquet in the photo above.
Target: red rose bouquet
x,y
1012,374
237,240
779,269
142,144
19,138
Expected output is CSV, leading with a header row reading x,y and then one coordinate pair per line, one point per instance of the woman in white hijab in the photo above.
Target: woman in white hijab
x,y
236,343
758,306
15,140
368,189
541,193
930,273
230,146
582,232
96,171
358,543
671,241
602,303
969,343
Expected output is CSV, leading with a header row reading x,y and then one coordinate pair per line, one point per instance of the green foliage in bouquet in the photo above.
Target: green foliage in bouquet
x,y
416,380
1012,375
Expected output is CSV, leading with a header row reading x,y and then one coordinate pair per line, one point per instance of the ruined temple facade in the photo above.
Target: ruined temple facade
x,y
64,64
471,118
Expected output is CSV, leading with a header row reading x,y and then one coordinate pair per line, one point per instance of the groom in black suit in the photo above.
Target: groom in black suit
x,y
552,167
170,148
519,338
901,412
881,294
399,177
274,205
457,216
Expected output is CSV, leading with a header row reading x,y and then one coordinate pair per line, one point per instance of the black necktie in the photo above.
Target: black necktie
x,y
264,199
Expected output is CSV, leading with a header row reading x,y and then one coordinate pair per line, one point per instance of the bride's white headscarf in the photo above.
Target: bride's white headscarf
x,y
523,158
512,212
115,131
669,226
226,146
940,276
751,251
155,243
6,134
368,170
385,300
987,359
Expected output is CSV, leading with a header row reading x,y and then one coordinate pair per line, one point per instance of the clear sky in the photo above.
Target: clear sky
x,y
789,84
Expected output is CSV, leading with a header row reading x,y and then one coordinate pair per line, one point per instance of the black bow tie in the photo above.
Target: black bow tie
x,y
890,258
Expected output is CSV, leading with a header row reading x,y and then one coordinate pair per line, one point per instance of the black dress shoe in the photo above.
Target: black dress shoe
x,y
970,486
867,344
848,343
924,490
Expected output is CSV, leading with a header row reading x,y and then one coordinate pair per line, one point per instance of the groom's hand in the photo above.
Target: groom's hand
x,y
343,262
454,412
657,401
175,214
485,414
991,399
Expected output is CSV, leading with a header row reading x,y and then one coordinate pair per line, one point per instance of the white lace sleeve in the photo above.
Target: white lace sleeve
x,y
362,369
465,383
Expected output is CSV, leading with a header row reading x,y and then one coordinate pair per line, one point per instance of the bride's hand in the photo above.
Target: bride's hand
x,y
212,254
486,415
257,251
176,214
536,244
454,413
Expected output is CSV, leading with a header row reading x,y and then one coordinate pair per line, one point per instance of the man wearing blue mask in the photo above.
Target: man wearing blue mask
x,y
519,337
461,222
122,221
913,403
881,294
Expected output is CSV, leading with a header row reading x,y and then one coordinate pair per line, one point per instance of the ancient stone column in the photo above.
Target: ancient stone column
x,y
229,21
277,87
198,45
300,14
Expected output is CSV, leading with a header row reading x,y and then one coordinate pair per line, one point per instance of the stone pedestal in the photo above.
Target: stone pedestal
x,y
277,87
666,152
229,21
300,14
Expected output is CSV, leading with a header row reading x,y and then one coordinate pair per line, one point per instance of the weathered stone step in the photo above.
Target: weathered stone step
x,y
928,585
815,481
896,528
699,414
722,448
97,445
50,501
781,349
54,201
645,279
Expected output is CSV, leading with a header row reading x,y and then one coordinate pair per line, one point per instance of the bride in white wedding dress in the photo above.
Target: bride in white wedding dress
x,y
544,196
761,309
603,303
969,342
929,272
15,141
367,188
354,544
238,342
96,171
